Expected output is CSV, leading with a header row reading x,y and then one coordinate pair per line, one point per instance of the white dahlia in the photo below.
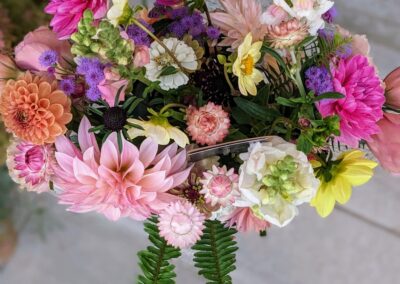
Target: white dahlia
x,y
275,178
160,61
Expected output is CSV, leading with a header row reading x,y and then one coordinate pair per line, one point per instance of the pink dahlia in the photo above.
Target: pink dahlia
x,y
245,220
30,165
133,183
68,13
239,18
208,125
361,108
220,186
181,224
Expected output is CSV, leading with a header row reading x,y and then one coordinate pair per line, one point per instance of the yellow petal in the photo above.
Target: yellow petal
x,y
158,133
341,190
324,201
245,46
257,76
356,175
250,85
242,86
178,136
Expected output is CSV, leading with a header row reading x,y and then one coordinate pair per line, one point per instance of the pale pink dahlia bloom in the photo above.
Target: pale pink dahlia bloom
x,y
68,13
361,108
181,224
239,18
245,220
133,183
208,125
220,186
30,165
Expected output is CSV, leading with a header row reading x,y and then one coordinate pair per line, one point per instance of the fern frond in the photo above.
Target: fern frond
x,y
155,260
215,256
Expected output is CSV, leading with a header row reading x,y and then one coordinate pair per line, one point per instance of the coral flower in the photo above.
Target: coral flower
x,y
220,186
392,82
239,18
68,13
244,66
41,40
244,220
361,108
34,109
132,183
208,125
181,224
350,169
30,165
386,144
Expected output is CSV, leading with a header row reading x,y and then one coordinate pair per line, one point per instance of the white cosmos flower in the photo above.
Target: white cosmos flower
x,y
274,179
310,10
116,11
160,59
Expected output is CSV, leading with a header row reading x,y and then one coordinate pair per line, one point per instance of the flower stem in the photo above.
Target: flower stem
x,y
168,106
233,91
154,37
297,79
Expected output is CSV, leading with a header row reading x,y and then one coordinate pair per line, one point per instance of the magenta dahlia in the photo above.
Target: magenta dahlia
x,y
68,13
361,108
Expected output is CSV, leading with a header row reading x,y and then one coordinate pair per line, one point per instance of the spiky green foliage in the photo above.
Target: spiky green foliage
x,y
104,41
155,260
215,256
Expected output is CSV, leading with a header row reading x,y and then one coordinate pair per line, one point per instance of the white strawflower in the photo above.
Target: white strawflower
x,y
274,179
160,60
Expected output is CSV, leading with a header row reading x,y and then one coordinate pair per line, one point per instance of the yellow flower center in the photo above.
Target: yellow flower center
x,y
247,65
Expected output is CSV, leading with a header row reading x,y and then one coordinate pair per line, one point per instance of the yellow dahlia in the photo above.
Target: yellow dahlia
x,y
244,66
34,109
337,179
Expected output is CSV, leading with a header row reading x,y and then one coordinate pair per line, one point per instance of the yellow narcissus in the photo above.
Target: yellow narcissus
x,y
350,169
244,66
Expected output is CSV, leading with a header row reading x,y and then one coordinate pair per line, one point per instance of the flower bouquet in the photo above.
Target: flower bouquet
x,y
203,123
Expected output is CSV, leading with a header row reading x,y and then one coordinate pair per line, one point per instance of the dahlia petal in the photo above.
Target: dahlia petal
x,y
148,151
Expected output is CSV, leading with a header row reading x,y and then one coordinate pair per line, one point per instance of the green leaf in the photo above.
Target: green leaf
x,y
278,58
168,70
255,110
330,95
215,253
304,144
286,102
155,260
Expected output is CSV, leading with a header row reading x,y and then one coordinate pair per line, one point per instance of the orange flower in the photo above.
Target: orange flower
x,y
34,109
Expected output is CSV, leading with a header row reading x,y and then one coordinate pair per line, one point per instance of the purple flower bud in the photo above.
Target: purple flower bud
x,y
68,86
48,58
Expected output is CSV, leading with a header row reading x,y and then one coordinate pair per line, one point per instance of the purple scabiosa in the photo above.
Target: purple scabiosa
x,y
93,93
85,64
94,76
48,58
213,33
330,15
319,80
139,36
68,86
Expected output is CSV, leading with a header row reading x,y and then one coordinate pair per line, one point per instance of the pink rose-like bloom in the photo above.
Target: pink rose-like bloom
x,y
110,86
133,183
245,221
30,165
181,224
208,125
68,13
142,56
274,15
386,144
392,82
361,108
220,186
28,52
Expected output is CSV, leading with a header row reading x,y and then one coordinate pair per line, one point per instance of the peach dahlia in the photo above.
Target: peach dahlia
x,y
34,109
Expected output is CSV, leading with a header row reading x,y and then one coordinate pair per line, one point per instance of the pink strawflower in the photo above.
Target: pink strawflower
x,y
68,13
110,86
239,18
142,56
133,183
181,224
208,125
245,221
274,15
30,165
386,144
220,186
29,51
361,108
